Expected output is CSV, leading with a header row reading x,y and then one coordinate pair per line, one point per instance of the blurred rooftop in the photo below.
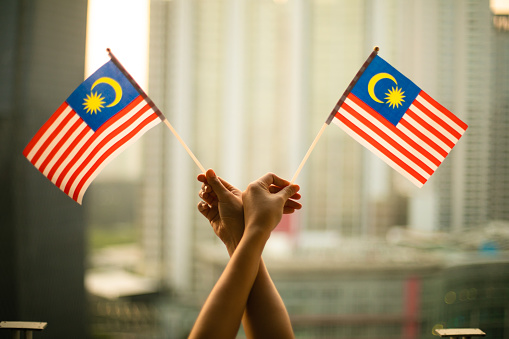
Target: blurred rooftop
x,y
402,248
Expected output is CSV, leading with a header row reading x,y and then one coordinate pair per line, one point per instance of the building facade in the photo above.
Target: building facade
x,y
42,247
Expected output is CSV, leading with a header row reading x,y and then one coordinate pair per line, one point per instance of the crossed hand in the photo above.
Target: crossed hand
x,y
228,209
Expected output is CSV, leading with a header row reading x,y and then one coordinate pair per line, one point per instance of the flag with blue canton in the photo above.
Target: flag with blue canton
x,y
386,90
102,117
102,95
393,118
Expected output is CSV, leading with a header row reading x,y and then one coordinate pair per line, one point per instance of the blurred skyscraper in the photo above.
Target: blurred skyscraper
x,y
462,62
499,156
464,79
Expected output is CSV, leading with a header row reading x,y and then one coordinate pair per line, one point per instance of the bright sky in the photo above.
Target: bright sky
x,y
500,6
122,26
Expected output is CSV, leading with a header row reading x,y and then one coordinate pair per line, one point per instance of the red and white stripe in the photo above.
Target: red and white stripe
x,y
70,154
416,146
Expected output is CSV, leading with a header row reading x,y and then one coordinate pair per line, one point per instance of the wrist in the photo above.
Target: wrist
x,y
256,231
230,232
231,249
255,239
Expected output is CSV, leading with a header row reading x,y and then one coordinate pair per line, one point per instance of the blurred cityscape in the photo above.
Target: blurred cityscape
x,y
248,84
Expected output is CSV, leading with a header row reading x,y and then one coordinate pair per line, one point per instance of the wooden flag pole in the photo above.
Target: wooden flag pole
x,y
308,153
196,161
335,110
154,107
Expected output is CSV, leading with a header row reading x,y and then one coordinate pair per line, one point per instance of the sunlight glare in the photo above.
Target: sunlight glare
x,y
122,26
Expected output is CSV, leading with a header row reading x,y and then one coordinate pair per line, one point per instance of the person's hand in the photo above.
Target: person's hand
x,y
222,206
266,199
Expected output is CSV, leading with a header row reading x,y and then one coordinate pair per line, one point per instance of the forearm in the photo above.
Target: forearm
x,y
222,312
266,315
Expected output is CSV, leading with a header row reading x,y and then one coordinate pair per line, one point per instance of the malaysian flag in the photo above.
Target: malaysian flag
x,y
102,117
393,118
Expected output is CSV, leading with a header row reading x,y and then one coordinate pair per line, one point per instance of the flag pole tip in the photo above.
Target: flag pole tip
x,y
376,49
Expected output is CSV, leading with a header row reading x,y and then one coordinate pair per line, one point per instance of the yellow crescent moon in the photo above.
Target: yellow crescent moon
x,y
115,85
376,78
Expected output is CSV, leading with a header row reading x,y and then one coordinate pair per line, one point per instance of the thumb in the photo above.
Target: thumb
x,y
216,184
289,191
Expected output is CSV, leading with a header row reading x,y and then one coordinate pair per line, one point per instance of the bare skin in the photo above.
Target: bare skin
x,y
245,291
